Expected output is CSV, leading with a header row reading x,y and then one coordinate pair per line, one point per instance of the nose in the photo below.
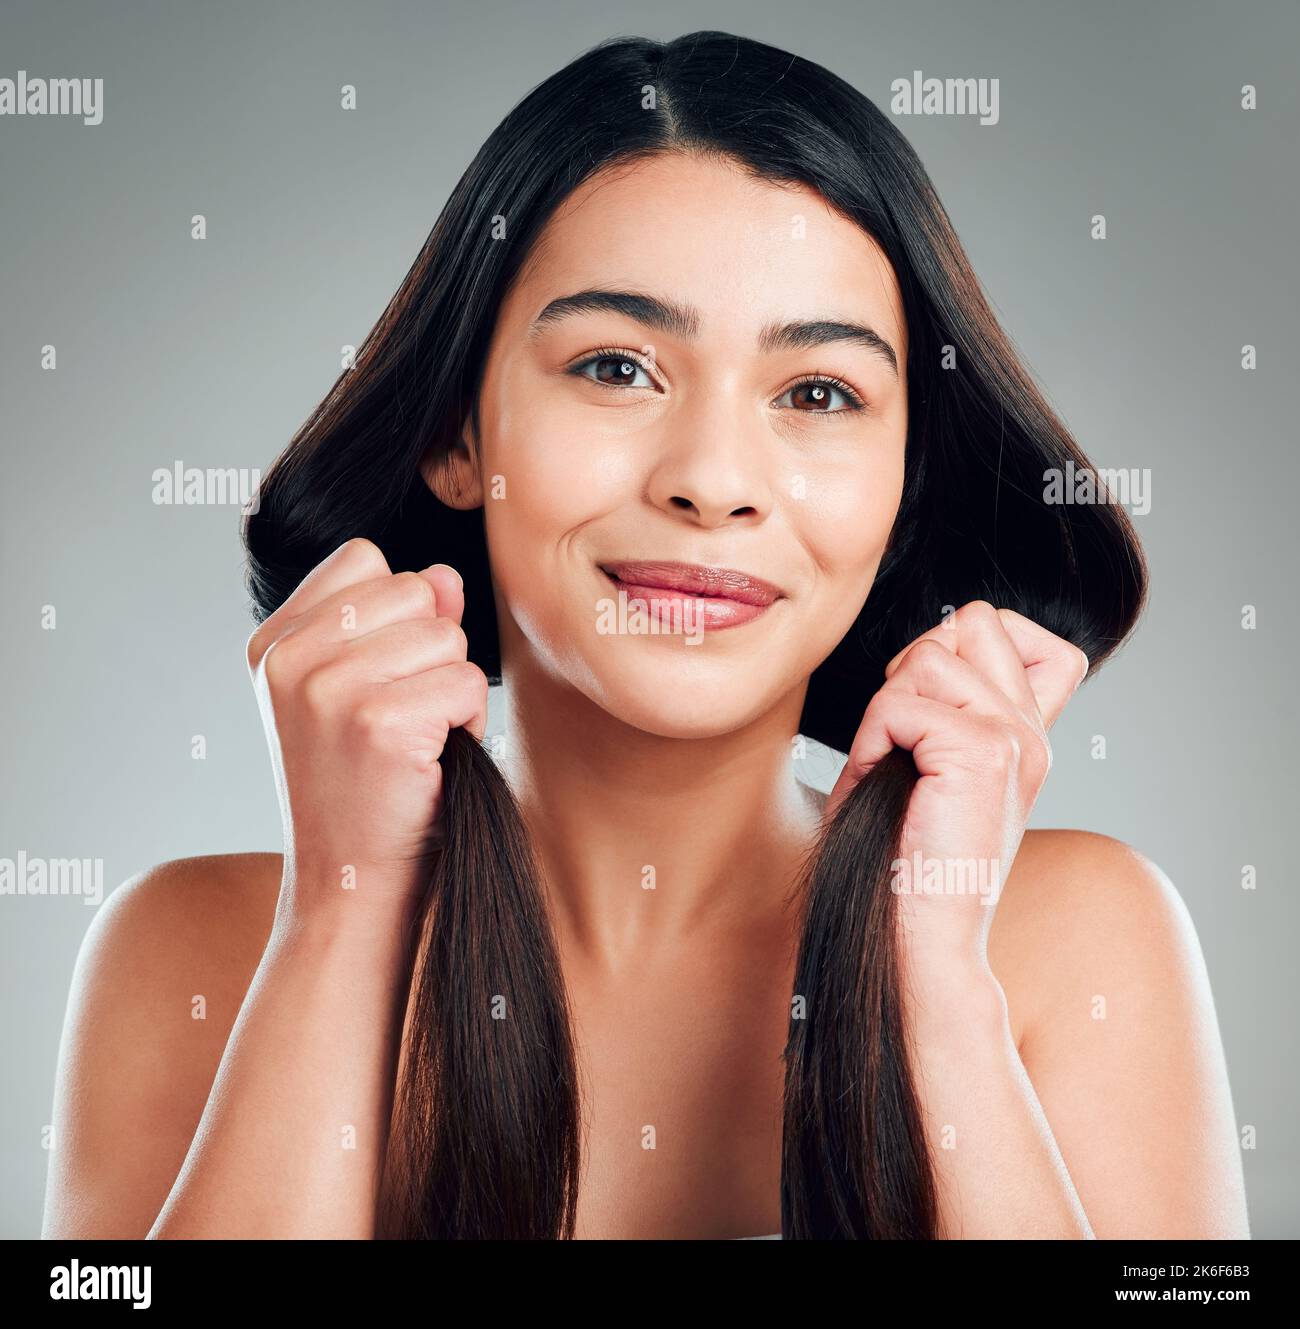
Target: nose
x,y
712,469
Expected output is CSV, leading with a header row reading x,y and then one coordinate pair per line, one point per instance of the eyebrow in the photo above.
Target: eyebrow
x,y
683,321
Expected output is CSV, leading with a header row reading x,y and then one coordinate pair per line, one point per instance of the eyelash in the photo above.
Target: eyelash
x,y
856,402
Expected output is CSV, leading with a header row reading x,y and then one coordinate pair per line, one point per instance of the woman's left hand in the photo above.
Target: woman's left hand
x,y
972,700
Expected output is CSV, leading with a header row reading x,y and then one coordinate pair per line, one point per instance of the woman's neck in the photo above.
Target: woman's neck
x,y
646,841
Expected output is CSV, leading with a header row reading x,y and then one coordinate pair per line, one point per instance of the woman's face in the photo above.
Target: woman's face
x,y
684,428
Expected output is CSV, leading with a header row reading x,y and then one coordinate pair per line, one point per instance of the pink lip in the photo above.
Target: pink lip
x,y
712,597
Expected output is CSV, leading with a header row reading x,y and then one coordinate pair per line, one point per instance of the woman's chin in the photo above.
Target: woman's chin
x,y
678,725
673,707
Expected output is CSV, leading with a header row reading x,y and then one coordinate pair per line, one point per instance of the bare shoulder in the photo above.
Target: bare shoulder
x,y
1080,872
160,977
1117,1030
186,919
1079,914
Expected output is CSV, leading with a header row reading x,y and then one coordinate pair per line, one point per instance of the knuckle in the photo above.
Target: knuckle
x,y
415,588
474,679
357,555
255,646
359,550
927,647
977,612
878,704
370,720
277,662
452,635
929,655
1000,747
360,558
318,690
888,704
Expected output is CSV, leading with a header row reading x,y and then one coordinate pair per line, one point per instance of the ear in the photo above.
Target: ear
x,y
453,475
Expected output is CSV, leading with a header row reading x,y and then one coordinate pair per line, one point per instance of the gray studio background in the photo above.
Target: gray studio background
x,y
213,353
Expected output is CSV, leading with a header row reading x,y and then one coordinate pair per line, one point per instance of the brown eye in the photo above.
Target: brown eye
x,y
814,396
614,369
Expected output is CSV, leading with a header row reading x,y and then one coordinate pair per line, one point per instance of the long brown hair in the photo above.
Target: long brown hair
x,y
486,1137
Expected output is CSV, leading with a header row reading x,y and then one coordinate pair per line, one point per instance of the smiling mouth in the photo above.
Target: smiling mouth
x,y
710,596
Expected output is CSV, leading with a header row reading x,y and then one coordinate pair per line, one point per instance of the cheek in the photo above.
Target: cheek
x,y
846,517
544,482
844,525
552,475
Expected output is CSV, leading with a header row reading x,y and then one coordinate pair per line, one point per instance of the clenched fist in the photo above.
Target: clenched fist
x,y
972,700
360,675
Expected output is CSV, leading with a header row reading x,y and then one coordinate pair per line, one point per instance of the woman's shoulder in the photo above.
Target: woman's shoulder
x,y
1082,881
199,924
1119,1036
159,981
1084,914
221,905
179,941
1081,913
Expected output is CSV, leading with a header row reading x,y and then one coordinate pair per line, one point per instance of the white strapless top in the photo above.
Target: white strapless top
x,y
771,1236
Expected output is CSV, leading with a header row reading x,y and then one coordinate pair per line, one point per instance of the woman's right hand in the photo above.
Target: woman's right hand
x,y
360,674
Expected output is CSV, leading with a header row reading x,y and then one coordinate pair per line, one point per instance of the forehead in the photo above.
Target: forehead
x,y
743,251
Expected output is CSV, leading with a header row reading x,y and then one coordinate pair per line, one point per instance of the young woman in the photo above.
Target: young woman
x,y
691,425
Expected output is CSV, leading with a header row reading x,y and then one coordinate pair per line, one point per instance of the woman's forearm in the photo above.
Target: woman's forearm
x,y
292,1140
998,1169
